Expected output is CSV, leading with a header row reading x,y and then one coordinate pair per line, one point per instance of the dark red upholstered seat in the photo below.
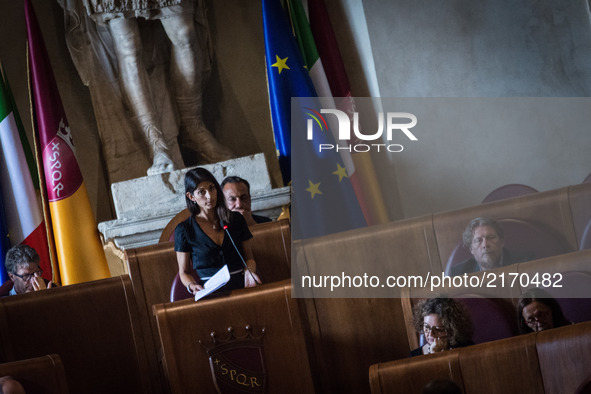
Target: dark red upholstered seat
x,y
178,291
168,232
492,318
508,191
574,296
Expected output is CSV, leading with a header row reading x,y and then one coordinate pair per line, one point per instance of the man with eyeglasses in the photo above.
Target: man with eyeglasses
x,y
485,239
22,265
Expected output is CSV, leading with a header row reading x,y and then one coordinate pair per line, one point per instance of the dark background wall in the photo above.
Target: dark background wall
x,y
403,48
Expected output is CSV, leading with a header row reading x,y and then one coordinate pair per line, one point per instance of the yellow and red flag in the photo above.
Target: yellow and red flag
x,y
80,254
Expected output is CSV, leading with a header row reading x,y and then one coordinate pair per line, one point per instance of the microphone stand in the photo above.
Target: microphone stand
x,y
241,258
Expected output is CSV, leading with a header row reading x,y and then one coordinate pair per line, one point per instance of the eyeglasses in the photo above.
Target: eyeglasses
x,y
542,315
28,277
436,330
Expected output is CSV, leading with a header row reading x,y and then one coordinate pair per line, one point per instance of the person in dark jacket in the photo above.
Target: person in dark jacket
x,y
485,239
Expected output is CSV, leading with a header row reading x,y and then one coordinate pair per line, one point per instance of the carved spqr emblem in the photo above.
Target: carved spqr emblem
x,y
236,362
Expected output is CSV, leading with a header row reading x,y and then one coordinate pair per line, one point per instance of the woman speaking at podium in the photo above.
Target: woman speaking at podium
x,y
213,236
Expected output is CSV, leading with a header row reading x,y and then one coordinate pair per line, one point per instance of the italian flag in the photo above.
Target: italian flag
x,y
317,43
22,209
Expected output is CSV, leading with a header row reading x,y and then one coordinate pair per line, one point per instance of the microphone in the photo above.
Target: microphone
x,y
240,254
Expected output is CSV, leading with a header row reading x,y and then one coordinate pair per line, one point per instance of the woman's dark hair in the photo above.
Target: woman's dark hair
x,y
543,297
193,178
454,318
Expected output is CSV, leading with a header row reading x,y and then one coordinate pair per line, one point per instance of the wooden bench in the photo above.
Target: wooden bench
x,y
186,329
349,335
153,268
95,329
564,358
550,211
572,271
493,318
410,247
424,244
501,301
271,245
350,328
271,248
39,375
552,361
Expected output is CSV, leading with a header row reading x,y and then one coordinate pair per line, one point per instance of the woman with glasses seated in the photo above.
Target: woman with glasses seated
x,y
22,266
537,310
445,324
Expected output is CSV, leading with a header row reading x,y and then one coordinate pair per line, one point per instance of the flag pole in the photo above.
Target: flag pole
x,y
44,203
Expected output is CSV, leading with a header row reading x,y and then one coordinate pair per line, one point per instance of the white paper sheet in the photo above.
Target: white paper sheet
x,y
215,282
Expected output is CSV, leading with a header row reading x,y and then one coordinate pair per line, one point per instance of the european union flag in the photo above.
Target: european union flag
x,y
286,77
323,201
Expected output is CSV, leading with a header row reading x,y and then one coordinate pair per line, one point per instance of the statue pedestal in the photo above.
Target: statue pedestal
x,y
145,205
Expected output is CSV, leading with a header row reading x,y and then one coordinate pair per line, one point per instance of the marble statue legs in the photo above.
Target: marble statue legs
x,y
185,68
